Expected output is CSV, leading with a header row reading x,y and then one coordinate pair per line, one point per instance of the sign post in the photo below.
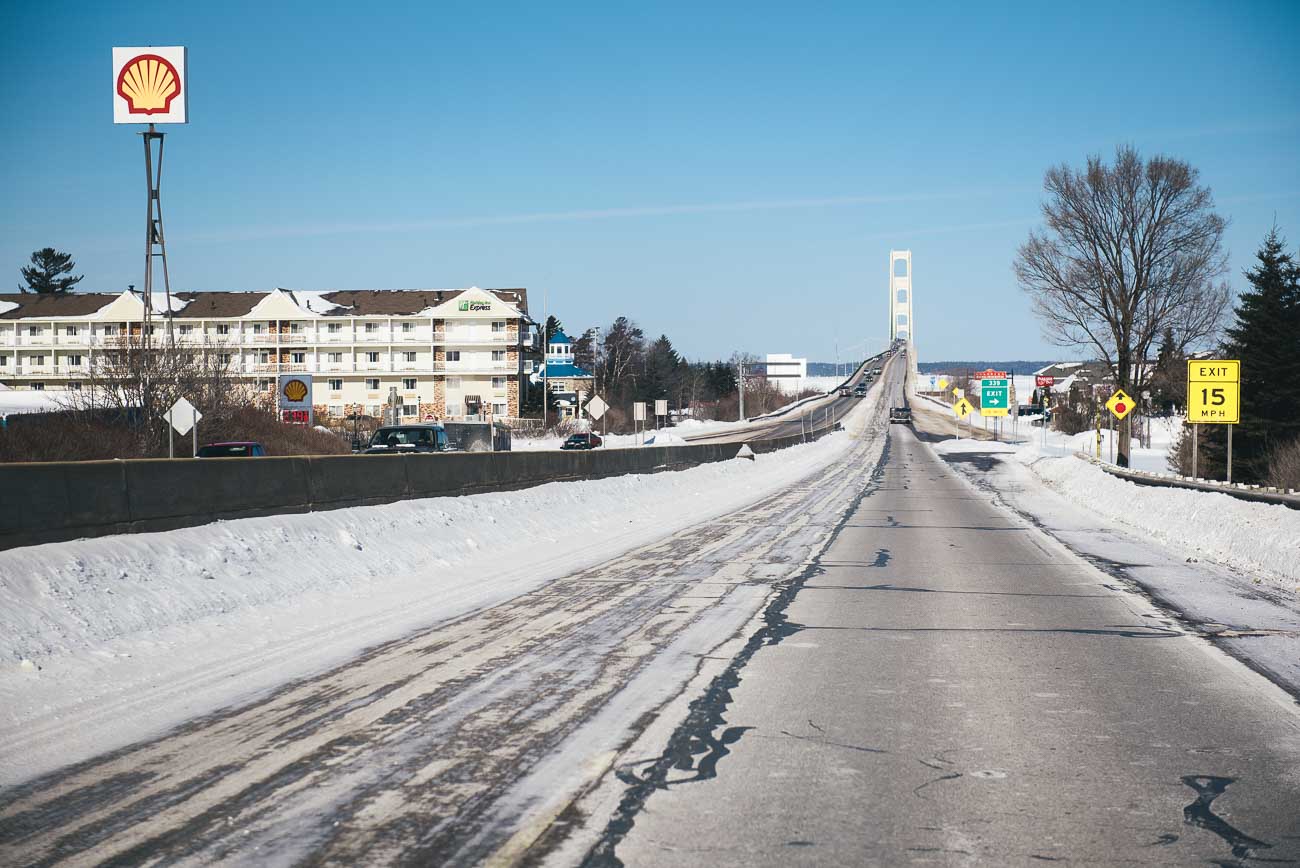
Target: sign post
x,y
638,415
995,397
961,409
661,409
182,418
1120,406
1213,398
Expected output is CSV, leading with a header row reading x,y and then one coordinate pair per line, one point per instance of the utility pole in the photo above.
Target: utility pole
x,y
740,387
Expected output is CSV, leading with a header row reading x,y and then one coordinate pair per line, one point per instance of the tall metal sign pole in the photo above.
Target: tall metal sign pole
x,y
149,86
155,246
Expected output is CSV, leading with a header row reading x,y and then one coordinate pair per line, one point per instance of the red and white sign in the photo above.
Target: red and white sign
x,y
149,85
428,417
991,374
1043,382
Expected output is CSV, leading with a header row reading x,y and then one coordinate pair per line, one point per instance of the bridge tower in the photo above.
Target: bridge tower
x,y
900,296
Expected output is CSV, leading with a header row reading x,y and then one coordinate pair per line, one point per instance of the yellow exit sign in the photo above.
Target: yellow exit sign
x,y
1214,391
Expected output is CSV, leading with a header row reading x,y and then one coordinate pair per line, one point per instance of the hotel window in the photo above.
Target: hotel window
x,y
223,358
408,327
74,386
74,361
334,327
410,410
336,410
38,360
336,385
71,331
499,409
185,329
295,328
334,357
372,410
372,384
263,358
498,355
453,355
38,387
453,382
372,327
33,331
223,328
298,358
453,409
409,384
263,385
4,360
373,358
258,328
498,382
498,327
409,357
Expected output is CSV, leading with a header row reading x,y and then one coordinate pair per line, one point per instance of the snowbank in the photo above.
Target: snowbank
x,y
1256,538
197,618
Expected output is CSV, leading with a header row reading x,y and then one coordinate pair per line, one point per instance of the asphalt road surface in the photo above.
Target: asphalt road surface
x,y
951,686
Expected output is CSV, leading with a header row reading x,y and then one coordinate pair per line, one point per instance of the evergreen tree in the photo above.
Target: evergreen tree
x,y
1266,338
1169,380
43,275
660,379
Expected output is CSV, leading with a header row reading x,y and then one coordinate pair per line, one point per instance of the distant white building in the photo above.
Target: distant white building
x,y
786,372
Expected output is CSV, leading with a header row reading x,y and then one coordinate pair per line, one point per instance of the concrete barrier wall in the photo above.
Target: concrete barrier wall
x,y
52,502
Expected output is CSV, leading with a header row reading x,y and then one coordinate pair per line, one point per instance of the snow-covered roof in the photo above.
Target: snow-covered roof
x,y
6,306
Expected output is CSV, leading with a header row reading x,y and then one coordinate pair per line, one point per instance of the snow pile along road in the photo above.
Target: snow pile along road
x,y
1259,538
200,617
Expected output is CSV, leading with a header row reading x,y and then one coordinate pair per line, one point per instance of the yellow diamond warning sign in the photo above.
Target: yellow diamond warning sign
x,y
1120,404
963,408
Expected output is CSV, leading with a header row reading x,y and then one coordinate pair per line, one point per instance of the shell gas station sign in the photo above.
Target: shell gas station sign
x,y
149,85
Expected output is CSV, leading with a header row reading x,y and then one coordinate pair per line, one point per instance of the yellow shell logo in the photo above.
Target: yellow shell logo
x,y
148,83
295,390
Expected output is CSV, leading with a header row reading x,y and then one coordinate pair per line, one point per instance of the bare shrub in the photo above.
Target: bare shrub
x,y
1284,466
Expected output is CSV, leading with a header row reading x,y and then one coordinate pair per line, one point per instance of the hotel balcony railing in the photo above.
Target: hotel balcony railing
x,y
472,367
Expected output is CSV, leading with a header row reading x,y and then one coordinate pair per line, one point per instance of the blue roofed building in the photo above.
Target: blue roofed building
x,y
564,379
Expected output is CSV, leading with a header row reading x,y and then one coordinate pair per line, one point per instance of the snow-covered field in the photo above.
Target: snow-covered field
x,y
106,641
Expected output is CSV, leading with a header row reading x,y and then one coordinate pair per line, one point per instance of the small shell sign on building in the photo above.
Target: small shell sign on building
x,y
149,85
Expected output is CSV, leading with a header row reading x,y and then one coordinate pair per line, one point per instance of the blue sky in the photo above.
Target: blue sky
x,y
733,175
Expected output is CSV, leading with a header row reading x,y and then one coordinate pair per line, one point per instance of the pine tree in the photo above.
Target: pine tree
x,y
42,276
1266,338
1169,380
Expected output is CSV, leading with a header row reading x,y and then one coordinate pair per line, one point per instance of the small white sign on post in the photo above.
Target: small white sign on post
x,y
638,411
182,416
596,407
661,407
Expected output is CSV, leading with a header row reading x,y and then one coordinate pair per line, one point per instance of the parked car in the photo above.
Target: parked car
x,y
408,439
900,415
589,440
233,449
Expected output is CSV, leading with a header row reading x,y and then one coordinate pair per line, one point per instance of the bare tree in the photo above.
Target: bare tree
x,y
140,381
1132,249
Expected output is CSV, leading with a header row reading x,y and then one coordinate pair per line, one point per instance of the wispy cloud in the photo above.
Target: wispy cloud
x,y
954,228
461,222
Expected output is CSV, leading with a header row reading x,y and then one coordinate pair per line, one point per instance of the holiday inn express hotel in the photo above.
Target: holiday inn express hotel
x,y
450,353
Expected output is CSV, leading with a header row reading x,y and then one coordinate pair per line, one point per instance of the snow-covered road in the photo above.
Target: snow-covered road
x,y
510,651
